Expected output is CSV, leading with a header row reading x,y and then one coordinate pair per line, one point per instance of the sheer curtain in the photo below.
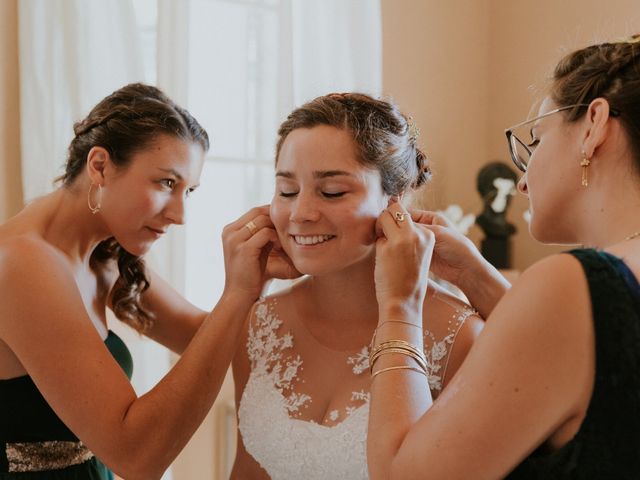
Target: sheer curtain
x,y
72,54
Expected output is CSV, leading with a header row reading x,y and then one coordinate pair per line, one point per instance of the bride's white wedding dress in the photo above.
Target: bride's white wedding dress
x,y
281,386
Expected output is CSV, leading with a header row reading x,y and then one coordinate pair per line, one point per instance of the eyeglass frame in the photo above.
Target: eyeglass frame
x,y
511,136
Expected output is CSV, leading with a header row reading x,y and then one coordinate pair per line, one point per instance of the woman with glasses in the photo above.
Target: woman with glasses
x,y
551,388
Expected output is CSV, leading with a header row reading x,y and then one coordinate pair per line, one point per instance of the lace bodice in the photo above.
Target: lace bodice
x,y
272,409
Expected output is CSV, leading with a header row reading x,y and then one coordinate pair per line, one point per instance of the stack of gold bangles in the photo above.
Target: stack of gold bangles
x,y
401,347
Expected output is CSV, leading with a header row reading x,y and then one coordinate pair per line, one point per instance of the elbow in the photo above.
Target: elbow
x,y
137,470
139,464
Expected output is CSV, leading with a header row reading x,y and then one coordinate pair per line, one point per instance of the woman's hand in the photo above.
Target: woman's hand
x,y
454,255
252,253
457,260
403,256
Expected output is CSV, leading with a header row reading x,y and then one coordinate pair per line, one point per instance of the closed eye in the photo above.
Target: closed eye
x,y
333,194
288,194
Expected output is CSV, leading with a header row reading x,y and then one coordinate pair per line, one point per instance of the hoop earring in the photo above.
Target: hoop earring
x,y
585,165
95,209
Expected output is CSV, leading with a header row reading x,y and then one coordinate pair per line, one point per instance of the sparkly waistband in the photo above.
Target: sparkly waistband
x,y
42,456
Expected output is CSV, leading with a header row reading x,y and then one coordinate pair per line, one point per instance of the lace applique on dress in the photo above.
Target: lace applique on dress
x,y
441,349
265,350
270,409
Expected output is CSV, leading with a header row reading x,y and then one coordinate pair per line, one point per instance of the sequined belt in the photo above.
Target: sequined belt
x,y
41,456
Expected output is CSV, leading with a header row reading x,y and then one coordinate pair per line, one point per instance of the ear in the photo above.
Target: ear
x,y
395,199
98,160
597,126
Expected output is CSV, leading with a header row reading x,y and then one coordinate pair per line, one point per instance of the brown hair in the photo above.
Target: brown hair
x,y
607,70
124,123
386,139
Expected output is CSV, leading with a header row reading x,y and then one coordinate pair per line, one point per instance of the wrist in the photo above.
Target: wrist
x,y
410,312
483,285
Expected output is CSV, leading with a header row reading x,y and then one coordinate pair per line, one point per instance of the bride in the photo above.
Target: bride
x,y
302,381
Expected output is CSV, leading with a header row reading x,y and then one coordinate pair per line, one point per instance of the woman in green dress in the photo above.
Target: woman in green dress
x,y
67,409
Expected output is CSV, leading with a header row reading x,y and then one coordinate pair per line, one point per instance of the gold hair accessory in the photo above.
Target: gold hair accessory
x,y
95,209
633,235
252,227
630,40
399,216
585,165
414,131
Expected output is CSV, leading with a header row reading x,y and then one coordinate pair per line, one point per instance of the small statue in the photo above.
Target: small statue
x,y
496,185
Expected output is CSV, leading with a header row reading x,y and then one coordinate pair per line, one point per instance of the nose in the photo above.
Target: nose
x,y
522,185
174,211
304,209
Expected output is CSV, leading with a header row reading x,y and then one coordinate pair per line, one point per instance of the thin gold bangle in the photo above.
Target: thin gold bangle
x,y
384,322
400,367
389,350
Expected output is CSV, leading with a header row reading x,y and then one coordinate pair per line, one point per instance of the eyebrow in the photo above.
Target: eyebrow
x,y
317,174
172,172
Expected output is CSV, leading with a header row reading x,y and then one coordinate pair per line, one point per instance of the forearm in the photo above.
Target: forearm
x,y
160,423
484,286
399,397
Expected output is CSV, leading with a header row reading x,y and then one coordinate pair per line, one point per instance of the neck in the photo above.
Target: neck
x,y
68,224
345,301
610,215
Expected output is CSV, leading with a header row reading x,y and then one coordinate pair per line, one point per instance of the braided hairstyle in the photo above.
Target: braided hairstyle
x,y
126,122
386,139
607,70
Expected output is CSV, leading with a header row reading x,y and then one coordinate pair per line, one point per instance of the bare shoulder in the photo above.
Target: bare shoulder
x,y
27,262
445,313
451,320
536,354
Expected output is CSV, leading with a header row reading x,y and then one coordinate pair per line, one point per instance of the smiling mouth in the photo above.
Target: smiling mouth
x,y
311,239
159,232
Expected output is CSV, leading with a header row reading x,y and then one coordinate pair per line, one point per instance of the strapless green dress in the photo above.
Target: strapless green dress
x,y
35,444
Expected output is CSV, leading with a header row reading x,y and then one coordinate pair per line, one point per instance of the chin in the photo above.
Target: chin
x,y
550,236
135,249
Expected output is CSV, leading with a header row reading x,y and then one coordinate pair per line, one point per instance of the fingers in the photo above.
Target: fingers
x,y
393,220
427,217
251,215
249,224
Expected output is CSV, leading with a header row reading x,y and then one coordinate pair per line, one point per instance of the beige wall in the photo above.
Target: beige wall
x,y
10,182
467,69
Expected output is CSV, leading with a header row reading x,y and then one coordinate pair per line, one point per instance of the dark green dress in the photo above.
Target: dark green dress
x,y
35,444
607,445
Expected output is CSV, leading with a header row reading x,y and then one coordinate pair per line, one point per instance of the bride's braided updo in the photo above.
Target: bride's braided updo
x,y
608,70
386,139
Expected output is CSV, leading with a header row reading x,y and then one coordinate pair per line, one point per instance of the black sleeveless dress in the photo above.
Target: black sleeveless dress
x,y
607,445
35,444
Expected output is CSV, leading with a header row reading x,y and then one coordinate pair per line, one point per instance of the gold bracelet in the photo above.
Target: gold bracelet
x,y
375,332
418,359
397,344
400,367
404,322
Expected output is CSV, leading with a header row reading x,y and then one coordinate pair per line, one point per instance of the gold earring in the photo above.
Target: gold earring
x,y
585,164
95,209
